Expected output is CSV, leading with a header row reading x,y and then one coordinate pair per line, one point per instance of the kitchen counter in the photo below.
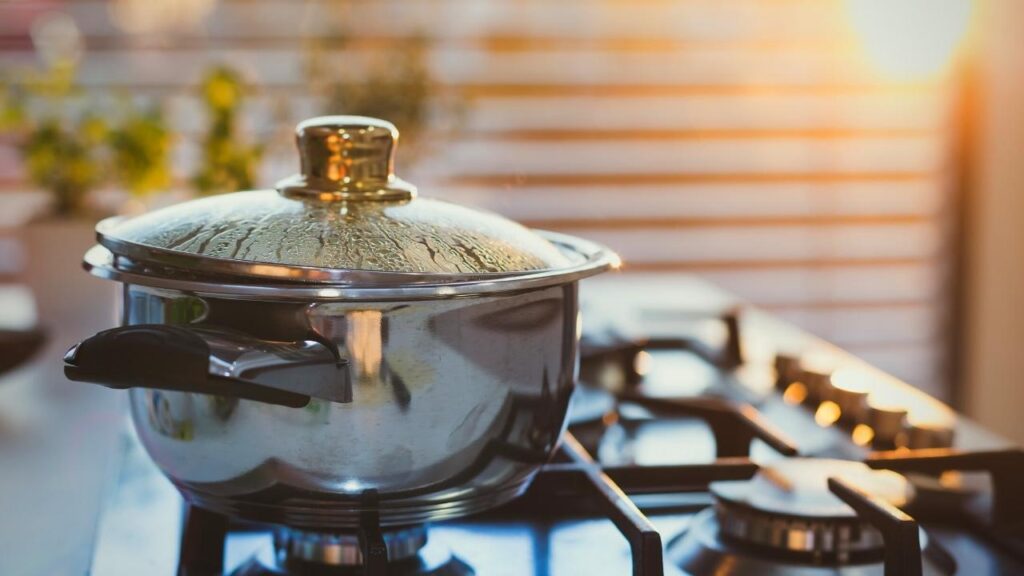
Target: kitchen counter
x,y
57,438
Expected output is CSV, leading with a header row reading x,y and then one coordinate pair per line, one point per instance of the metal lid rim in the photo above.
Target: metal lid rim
x,y
264,271
101,262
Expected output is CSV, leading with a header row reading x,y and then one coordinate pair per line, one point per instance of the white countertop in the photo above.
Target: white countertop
x,y
56,437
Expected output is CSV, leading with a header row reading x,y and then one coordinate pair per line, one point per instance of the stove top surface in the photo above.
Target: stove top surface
x,y
670,403
141,529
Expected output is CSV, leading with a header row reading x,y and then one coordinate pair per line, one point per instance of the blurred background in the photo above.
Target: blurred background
x,y
849,165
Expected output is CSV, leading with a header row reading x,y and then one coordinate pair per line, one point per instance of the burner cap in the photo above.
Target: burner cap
x,y
788,507
701,550
338,554
799,487
342,549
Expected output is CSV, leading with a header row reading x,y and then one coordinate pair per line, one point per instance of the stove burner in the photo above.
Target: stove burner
x,y
343,549
702,550
787,520
340,554
788,506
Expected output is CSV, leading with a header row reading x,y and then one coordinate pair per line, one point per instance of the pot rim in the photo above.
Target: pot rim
x,y
589,258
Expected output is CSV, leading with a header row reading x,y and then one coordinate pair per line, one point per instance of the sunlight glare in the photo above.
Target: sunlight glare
x,y
910,39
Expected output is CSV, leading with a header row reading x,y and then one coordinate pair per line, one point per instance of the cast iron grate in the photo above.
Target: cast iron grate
x,y
575,482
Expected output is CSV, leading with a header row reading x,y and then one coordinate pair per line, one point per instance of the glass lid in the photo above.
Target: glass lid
x,y
346,211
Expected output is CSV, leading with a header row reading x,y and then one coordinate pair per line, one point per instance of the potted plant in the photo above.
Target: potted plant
x,y
227,163
139,146
397,84
400,90
60,143
70,146
74,144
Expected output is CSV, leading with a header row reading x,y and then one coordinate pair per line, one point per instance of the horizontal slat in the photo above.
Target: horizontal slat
x,y
863,325
793,287
724,156
832,285
769,204
710,201
520,160
668,222
660,179
781,244
827,87
765,113
694,20
670,134
456,66
637,117
922,111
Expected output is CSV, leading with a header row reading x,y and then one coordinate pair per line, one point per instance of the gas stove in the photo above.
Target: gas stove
x,y
704,439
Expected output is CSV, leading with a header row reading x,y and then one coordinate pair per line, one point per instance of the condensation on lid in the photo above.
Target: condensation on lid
x,y
417,236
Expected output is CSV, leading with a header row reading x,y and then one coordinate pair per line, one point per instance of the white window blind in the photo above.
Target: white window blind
x,y
748,141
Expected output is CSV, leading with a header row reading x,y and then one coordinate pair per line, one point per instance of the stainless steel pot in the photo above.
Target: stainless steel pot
x,y
338,346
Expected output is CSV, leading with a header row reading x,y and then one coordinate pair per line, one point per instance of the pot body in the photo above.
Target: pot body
x,y
451,407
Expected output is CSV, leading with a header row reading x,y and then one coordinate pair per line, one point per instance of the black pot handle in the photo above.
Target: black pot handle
x,y
163,357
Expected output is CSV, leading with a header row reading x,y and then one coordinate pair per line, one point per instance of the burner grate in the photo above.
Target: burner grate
x,y
900,533
577,484
580,480
644,539
202,543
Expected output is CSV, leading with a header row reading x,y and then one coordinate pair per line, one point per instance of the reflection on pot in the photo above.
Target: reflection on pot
x,y
364,341
170,414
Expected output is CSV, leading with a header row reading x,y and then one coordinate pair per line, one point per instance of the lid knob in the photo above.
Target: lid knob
x,y
347,158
